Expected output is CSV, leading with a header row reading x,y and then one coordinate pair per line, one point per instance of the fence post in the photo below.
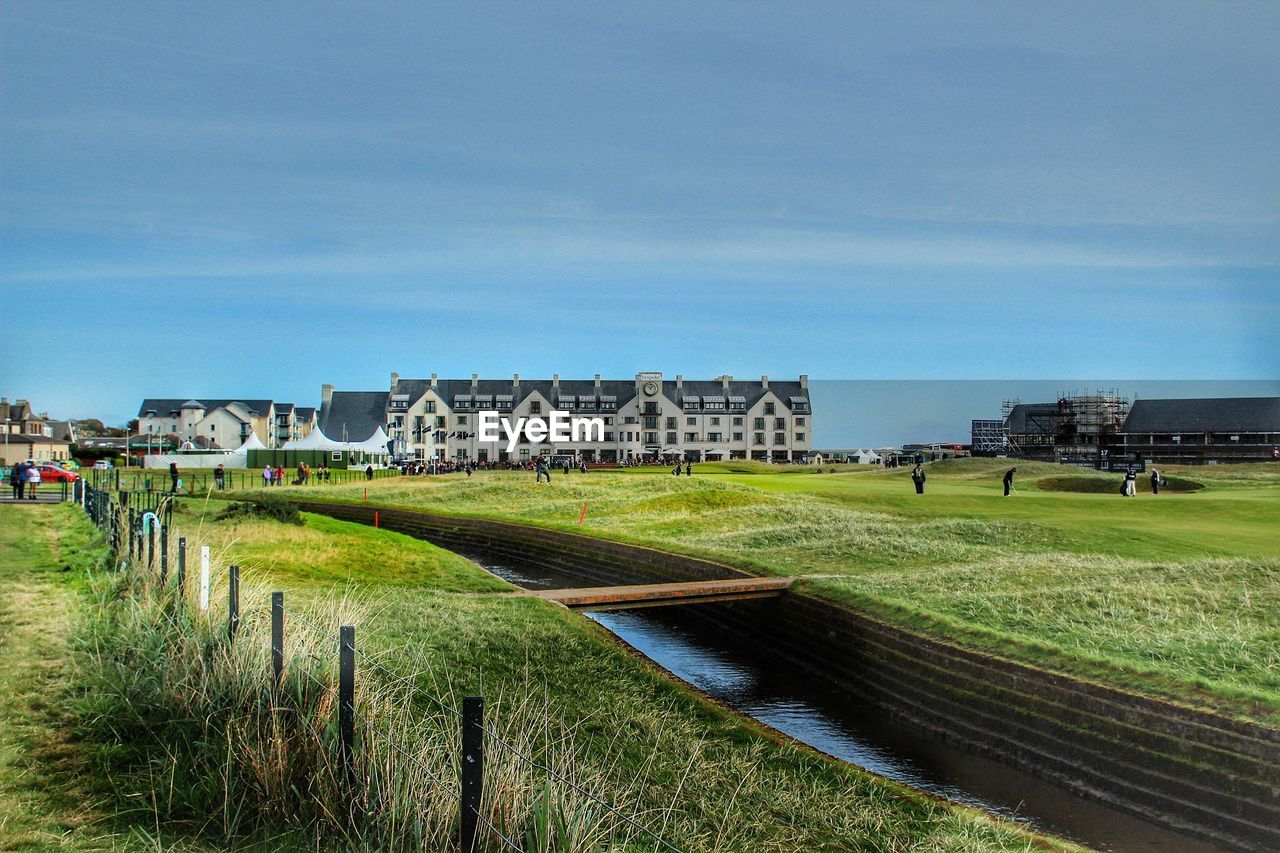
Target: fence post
x,y
233,601
277,636
151,545
347,699
204,577
472,768
182,565
164,555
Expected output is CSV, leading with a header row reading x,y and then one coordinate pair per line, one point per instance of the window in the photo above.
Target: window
x,y
651,408
691,421
759,423
439,421
737,421
799,421
737,436
608,421
535,407
650,438
671,438
690,436
462,420
431,407
713,436
799,436
630,419
768,408
671,423
608,436
779,423
650,422
779,438
212,428
759,438
715,422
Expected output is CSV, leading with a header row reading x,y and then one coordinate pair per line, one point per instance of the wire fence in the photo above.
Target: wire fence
x,y
136,526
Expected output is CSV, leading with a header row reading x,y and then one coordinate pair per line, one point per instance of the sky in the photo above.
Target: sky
x,y
252,199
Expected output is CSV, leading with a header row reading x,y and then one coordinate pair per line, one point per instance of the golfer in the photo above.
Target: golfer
x,y
918,477
1155,482
1008,480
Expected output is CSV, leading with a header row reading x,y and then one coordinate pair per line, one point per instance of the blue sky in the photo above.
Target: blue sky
x,y
248,199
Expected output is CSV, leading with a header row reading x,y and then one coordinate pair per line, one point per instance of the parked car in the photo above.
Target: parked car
x,y
102,465
56,474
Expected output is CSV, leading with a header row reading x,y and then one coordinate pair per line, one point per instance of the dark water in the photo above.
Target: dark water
x,y
862,734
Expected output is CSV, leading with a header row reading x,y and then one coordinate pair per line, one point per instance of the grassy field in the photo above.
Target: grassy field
x,y
695,772
1173,595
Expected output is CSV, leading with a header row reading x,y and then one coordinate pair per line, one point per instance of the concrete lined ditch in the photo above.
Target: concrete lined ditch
x,y
1106,768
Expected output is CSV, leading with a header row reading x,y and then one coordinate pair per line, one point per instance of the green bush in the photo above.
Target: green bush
x,y
268,507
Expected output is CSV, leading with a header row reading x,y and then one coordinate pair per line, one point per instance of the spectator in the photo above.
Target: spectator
x,y
268,474
18,480
173,476
219,477
33,481
542,471
368,473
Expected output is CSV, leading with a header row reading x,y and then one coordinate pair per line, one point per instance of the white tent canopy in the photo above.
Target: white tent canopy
x,y
251,443
374,445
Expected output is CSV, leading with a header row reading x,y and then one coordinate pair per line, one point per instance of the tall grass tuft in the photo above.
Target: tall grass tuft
x,y
191,733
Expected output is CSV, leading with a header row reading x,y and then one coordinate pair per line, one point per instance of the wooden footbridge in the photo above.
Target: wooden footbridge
x,y
659,594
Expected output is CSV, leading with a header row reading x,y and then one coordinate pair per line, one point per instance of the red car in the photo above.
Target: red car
x,y
55,474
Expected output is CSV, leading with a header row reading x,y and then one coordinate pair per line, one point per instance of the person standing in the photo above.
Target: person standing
x,y
33,481
368,473
1008,480
1130,482
688,469
18,480
268,474
219,477
542,471
173,476
1155,482
918,477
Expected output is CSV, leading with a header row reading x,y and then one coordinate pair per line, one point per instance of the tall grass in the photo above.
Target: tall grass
x,y
193,735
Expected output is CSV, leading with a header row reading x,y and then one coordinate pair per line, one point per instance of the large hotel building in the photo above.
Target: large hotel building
x,y
647,416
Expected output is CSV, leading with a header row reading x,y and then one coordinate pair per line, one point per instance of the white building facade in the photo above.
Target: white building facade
x,y
646,417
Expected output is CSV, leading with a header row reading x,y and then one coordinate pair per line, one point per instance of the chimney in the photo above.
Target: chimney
x,y
597,383
434,381
804,381
555,382
724,382
326,395
679,383
395,377
764,382
475,383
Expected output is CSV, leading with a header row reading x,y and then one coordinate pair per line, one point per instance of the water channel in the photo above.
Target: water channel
x,y
828,720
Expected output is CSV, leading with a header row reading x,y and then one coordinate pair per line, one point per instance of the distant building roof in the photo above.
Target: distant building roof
x,y
165,407
354,415
1204,414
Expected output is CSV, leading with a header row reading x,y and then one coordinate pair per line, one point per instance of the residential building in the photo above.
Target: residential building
x,y
224,424
30,436
646,416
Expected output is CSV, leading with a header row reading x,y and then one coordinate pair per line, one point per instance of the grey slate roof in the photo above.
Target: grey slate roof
x,y
623,390
304,413
360,412
165,407
1204,414
1032,418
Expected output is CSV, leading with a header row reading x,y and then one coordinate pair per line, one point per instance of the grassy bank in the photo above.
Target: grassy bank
x,y
695,773
1172,595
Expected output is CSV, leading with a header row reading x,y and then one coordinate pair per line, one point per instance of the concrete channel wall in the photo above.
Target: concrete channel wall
x,y
1199,772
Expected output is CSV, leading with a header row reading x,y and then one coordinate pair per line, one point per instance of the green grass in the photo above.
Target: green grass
x,y
699,774
46,799
1173,595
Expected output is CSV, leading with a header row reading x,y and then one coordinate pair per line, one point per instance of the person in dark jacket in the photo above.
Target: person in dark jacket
x,y
173,476
1155,482
18,480
1008,480
542,471
368,473
219,477
918,477
688,469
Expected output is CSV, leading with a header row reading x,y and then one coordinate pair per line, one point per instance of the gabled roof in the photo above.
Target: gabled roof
x,y
169,406
1204,414
304,413
284,408
354,415
621,390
